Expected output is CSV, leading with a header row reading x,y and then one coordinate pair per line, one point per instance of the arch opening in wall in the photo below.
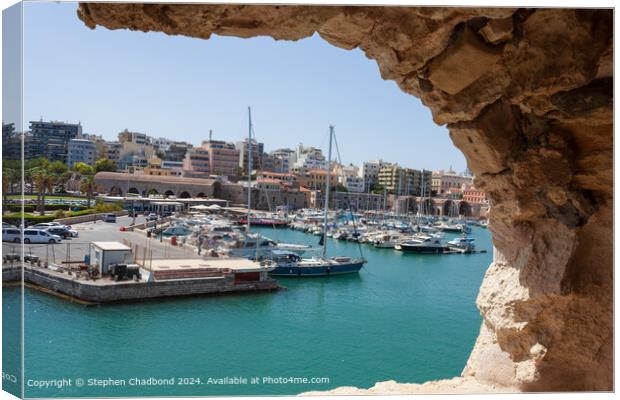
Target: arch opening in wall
x,y
535,123
446,208
465,209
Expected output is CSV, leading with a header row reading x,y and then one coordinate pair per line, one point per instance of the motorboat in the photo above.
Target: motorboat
x,y
422,244
464,244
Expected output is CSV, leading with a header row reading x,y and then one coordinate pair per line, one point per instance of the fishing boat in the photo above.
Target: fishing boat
x,y
289,264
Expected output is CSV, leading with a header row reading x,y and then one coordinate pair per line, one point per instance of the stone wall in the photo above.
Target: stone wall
x,y
262,199
88,218
527,95
126,291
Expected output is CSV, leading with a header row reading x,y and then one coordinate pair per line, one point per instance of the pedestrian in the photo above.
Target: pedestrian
x,y
200,240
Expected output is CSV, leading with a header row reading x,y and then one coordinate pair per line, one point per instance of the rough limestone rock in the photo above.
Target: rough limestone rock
x,y
527,96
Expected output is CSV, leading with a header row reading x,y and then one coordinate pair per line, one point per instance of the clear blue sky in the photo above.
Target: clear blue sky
x,y
179,87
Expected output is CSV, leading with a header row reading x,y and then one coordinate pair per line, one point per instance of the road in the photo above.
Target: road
x,y
74,249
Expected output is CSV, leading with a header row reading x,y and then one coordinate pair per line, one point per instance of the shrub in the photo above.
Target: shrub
x,y
29,219
108,207
29,208
59,214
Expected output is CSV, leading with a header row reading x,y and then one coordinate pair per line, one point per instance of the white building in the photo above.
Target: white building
x,y
354,184
81,150
175,167
286,159
370,173
310,158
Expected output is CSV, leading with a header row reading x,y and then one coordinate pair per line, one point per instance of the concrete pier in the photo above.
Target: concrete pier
x,y
107,291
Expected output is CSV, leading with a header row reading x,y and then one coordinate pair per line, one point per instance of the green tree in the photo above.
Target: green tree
x,y
10,176
83,169
87,185
378,189
104,164
57,167
61,174
30,166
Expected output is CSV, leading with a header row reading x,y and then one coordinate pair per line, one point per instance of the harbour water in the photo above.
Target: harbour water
x,y
405,317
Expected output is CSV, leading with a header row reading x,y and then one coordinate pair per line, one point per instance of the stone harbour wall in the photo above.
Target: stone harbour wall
x,y
129,290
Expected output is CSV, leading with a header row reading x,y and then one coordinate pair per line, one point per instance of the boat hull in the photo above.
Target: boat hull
x,y
323,270
423,249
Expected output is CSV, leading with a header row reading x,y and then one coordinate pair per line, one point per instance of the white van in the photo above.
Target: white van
x,y
40,236
11,235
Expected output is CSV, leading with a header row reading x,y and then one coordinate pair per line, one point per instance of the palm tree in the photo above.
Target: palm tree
x,y
6,183
87,185
43,181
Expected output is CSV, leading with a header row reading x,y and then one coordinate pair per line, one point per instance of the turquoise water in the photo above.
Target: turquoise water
x,y
405,317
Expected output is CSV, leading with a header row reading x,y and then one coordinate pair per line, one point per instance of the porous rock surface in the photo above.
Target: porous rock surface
x,y
527,97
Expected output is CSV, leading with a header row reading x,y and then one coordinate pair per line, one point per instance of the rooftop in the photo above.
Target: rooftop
x,y
174,180
234,264
111,246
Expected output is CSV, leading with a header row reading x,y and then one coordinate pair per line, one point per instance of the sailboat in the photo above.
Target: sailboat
x,y
256,246
292,265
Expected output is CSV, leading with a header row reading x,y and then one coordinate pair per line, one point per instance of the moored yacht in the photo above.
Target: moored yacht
x,y
255,246
290,264
422,244
464,244
387,240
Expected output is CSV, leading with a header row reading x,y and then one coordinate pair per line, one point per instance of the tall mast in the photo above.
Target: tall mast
x,y
328,176
249,167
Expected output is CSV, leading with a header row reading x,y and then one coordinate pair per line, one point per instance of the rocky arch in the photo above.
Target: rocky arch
x,y
527,96
169,193
133,190
185,195
152,192
201,195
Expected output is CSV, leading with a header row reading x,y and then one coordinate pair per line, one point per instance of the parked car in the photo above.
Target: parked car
x,y
152,217
63,232
109,218
11,235
45,225
40,236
